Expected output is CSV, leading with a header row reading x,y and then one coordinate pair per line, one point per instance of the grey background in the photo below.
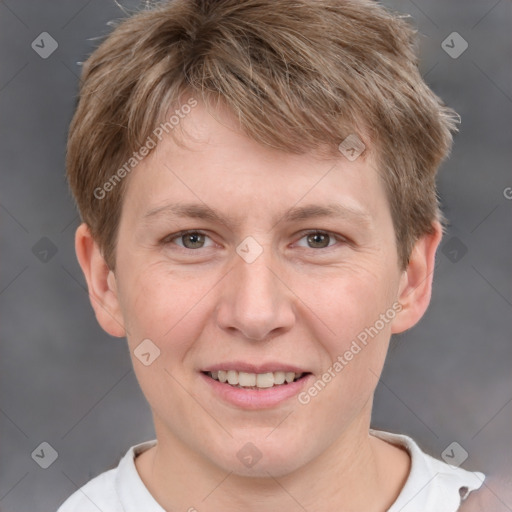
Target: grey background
x,y
64,381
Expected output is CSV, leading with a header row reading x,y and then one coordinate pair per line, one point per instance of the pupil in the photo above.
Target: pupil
x,y
318,238
193,238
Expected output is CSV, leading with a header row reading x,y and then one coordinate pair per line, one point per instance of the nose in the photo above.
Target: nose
x,y
255,300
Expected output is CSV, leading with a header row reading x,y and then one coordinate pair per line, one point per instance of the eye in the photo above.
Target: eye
x,y
190,239
320,239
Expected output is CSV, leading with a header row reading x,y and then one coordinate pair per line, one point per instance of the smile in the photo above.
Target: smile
x,y
255,380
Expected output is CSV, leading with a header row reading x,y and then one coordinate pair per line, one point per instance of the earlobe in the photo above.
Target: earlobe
x,y
416,281
101,283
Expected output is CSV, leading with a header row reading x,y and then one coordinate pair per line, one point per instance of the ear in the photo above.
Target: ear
x,y
416,282
101,283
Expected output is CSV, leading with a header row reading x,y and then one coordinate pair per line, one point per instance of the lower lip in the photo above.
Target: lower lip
x,y
254,398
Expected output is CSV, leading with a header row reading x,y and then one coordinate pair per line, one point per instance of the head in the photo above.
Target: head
x,y
241,108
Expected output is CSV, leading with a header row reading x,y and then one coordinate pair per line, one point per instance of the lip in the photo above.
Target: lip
x,y
252,399
240,366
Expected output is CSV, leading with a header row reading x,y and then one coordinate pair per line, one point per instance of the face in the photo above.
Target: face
x,y
235,257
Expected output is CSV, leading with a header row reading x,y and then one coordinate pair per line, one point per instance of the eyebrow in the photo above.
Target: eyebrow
x,y
294,214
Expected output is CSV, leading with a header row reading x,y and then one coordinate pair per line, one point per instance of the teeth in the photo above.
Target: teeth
x,y
233,377
264,380
280,377
246,379
253,380
289,376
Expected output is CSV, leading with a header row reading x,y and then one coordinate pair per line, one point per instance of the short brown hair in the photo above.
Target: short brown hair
x,y
299,75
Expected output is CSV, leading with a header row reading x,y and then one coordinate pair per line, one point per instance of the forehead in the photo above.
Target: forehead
x,y
220,172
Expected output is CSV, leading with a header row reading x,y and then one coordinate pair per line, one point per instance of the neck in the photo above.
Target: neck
x,y
357,472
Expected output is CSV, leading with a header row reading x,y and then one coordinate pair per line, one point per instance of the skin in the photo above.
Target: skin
x,y
302,301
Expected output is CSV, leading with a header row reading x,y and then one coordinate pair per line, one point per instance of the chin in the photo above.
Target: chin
x,y
259,458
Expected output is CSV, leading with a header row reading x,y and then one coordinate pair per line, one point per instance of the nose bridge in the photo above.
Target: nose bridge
x,y
254,301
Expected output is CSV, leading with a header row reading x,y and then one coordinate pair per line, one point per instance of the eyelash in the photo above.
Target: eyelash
x,y
170,238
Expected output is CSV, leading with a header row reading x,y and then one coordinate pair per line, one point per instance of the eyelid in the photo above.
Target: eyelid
x,y
169,238
339,238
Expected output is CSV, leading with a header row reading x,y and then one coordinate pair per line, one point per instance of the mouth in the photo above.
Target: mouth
x,y
254,386
255,381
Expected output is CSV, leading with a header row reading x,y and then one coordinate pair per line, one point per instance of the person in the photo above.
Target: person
x,y
256,181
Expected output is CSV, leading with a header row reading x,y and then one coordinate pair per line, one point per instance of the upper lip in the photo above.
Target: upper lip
x,y
240,366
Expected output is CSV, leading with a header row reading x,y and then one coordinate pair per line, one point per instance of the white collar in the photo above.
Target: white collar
x,y
432,485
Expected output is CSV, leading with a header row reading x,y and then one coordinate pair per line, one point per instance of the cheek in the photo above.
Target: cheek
x,y
345,303
165,306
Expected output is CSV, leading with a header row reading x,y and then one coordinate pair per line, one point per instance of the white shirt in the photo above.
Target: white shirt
x,y
432,485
